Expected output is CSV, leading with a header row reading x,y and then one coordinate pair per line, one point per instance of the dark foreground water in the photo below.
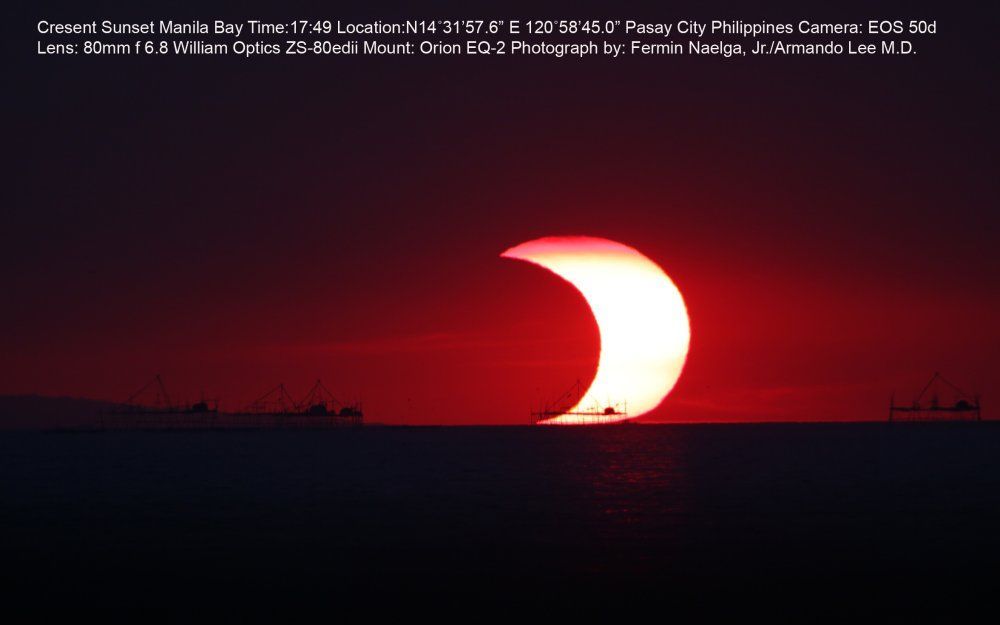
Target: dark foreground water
x,y
277,520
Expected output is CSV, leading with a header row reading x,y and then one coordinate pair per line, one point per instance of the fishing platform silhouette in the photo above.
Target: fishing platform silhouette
x,y
940,400
151,408
566,405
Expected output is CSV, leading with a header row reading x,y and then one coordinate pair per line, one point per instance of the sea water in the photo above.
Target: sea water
x,y
346,513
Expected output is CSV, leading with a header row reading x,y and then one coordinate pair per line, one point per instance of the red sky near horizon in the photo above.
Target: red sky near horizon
x,y
834,239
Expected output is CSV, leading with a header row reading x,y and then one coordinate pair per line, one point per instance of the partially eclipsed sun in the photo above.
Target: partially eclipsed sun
x,y
639,312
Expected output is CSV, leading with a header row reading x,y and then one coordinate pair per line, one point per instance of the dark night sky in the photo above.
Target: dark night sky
x,y
831,223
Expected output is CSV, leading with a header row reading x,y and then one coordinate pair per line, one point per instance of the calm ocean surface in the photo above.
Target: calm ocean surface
x,y
335,515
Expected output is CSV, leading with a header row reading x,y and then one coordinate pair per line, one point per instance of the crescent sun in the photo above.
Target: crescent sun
x,y
640,314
